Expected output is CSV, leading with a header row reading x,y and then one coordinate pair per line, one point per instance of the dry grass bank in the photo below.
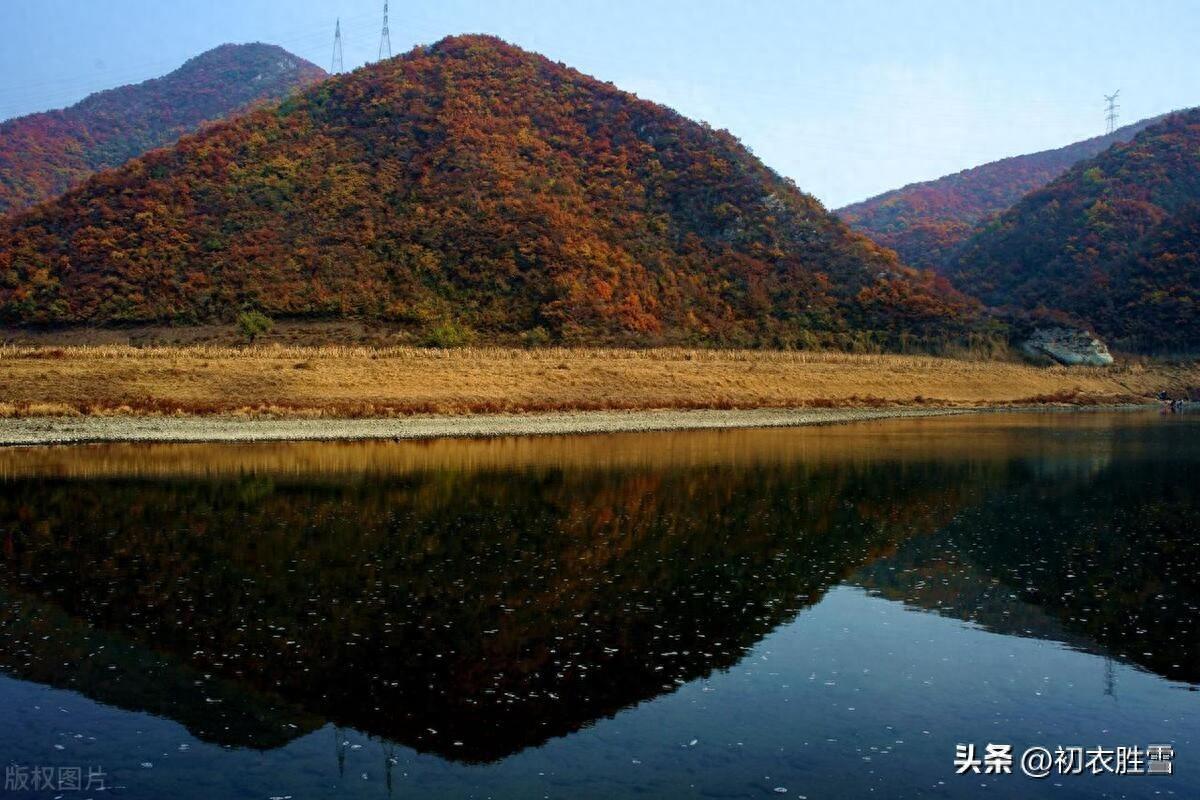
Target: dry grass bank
x,y
366,382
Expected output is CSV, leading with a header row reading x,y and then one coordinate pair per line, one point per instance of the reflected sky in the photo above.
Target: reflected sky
x,y
711,614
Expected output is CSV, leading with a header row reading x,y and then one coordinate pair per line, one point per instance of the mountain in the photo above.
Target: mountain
x,y
926,222
1114,241
473,185
41,155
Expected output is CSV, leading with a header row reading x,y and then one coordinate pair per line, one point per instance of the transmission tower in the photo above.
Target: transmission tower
x,y
385,39
1111,110
338,65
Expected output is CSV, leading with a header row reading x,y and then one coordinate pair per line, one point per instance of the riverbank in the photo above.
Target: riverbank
x,y
339,383
91,429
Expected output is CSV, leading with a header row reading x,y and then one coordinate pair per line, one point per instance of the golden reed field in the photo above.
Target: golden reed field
x,y
288,381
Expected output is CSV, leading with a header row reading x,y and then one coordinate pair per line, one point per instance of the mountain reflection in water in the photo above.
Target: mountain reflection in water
x,y
476,598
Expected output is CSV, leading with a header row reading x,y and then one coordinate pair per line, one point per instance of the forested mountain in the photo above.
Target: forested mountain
x,y
471,184
926,222
1114,241
41,155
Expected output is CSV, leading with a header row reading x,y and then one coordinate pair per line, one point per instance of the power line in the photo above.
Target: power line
x,y
1111,111
385,39
338,64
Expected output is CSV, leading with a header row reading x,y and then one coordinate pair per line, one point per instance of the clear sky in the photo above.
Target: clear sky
x,y
848,98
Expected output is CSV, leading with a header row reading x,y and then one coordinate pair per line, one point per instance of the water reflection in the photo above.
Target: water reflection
x,y
1105,559
468,613
473,599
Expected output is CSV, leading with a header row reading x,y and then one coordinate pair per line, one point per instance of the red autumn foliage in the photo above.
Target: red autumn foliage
x,y
927,222
42,155
1113,241
474,183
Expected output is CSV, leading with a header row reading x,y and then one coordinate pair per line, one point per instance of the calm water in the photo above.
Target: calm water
x,y
825,612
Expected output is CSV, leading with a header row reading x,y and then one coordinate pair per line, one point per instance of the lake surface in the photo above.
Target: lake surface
x,y
814,613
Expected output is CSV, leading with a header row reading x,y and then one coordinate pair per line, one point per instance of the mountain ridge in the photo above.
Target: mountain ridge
x,y
44,154
1112,241
926,221
467,183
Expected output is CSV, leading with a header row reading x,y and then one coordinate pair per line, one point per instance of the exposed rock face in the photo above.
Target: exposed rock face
x,y
1069,346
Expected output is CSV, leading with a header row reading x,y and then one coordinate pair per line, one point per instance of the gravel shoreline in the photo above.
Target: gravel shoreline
x,y
80,430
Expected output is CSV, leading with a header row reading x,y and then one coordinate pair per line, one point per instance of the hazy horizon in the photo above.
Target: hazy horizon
x,y
849,101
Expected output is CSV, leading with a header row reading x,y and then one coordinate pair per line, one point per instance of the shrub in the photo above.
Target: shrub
x,y
447,335
253,324
536,337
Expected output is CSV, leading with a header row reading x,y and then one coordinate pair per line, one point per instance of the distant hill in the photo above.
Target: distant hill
x,y
926,222
1114,241
473,187
41,155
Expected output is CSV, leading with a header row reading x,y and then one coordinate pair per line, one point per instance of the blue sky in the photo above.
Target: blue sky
x,y
848,98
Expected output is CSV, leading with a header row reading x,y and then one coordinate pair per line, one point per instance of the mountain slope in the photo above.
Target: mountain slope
x,y
469,184
926,222
41,155
1113,241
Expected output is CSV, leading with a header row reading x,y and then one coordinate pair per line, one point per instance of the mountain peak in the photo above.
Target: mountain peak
x,y
41,155
476,185
272,60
